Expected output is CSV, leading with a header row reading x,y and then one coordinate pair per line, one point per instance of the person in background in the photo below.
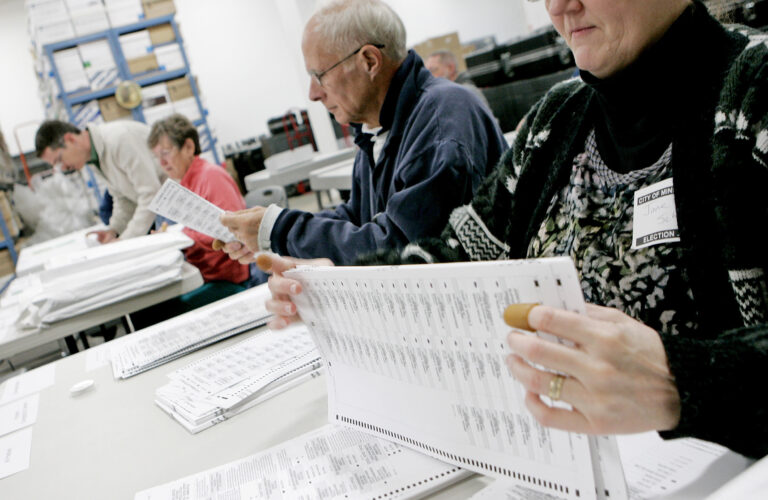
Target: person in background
x,y
670,106
425,144
443,64
119,152
175,143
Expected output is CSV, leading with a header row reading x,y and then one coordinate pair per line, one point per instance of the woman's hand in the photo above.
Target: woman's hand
x,y
282,288
616,376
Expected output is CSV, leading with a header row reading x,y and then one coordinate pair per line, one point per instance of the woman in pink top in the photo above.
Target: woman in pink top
x,y
176,144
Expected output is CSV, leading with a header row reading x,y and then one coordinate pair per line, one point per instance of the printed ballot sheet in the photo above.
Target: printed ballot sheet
x,y
221,385
181,205
416,354
658,469
332,462
173,338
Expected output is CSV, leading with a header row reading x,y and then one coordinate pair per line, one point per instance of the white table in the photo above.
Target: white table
x,y
113,441
336,176
296,172
19,342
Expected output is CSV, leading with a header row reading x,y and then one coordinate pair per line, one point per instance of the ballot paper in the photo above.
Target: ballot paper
x,y
332,462
225,383
416,354
174,201
28,383
75,293
173,338
19,414
14,452
658,469
677,468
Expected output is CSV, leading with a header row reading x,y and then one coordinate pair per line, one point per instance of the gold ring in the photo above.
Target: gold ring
x,y
556,387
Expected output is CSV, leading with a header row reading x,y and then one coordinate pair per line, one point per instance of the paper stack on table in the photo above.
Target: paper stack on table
x,y
330,462
234,379
78,282
173,338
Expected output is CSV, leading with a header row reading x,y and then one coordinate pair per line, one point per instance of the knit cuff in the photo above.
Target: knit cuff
x,y
265,229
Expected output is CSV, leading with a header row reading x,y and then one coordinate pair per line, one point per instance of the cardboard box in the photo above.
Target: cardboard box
x,y
162,33
158,8
142,64
179,89
111,110
449,41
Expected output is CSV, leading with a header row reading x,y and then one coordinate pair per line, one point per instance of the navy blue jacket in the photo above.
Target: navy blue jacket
x,y
442,143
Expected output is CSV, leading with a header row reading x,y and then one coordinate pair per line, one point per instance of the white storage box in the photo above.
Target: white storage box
x,y
99,64
53,32
71,71
136,44
125,13
89,20
151,115
169,57
154,95
188,107
83,114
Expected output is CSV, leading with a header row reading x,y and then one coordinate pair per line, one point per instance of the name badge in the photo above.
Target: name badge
x,y
655,218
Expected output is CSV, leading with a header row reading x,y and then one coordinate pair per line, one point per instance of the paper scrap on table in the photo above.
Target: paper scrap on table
x,y
28,383
14,452
19,414
174,201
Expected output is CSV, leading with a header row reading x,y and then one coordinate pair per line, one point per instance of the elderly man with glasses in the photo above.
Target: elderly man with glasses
x,y
120,154
425,143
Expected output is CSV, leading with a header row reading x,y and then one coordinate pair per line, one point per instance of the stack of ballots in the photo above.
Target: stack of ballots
x,y
234,379
69,284
173,338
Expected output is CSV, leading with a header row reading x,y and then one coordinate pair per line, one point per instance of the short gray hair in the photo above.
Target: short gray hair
x,y
347,24
177,128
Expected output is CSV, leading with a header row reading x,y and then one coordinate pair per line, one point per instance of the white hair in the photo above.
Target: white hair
x,y
345,25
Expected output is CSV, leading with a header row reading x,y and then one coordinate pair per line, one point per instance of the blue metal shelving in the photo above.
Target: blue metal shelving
x,y
70,99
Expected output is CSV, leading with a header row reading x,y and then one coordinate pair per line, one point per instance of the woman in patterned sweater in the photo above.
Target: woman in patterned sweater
x,y
670,105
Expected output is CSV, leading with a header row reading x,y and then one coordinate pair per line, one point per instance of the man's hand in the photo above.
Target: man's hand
x,y
616,376
104,236
245,225
282,288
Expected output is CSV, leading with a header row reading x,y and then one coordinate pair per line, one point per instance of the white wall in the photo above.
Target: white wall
x,y
19,102
246,55
472,19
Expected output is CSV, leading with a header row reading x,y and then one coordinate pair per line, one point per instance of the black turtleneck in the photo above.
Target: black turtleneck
x,y
638,109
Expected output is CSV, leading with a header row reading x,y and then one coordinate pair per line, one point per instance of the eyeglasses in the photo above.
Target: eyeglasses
x,y
318,77
164,154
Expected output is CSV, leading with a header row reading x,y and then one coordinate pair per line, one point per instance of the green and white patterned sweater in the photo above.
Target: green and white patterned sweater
x,y
707,294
